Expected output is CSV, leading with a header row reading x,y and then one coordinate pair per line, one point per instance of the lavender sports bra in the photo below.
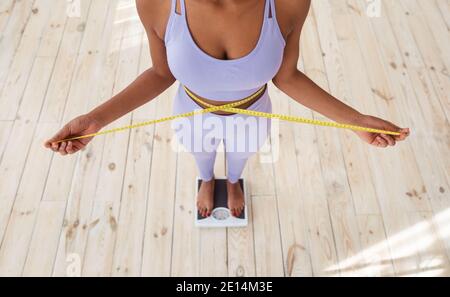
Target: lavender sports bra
x,y
217,79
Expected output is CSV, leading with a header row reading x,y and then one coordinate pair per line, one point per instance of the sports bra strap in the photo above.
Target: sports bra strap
x,y
173,6
183,7
273,11
267,4
266,9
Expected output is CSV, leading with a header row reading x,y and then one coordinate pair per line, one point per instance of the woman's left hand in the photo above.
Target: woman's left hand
x,y
379,139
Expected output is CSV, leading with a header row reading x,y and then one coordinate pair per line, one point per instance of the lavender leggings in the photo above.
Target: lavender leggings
x,y
242,135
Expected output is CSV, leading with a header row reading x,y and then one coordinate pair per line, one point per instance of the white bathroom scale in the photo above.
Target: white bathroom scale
x,y
221,216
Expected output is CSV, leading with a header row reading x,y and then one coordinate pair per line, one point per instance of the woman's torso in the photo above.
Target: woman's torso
x,y
218,79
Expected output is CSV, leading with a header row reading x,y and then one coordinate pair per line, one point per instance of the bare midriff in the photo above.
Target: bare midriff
x,y
218,103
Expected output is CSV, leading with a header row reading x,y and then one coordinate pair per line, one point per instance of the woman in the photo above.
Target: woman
x,y
222,51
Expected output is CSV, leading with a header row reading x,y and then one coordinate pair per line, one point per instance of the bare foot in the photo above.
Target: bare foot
x,y
236,200
205,198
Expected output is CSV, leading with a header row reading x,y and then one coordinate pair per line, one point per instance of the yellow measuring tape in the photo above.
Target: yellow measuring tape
x,y
231,107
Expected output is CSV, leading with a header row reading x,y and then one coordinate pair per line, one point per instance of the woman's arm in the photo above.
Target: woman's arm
x,y
150,83
146,87
299,87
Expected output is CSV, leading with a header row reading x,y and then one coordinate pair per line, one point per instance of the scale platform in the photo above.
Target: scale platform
x,y
221,216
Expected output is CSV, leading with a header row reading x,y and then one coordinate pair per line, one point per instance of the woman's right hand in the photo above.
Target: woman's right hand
x,y
82,125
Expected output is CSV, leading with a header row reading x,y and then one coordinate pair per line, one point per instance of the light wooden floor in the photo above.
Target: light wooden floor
x,y
328,205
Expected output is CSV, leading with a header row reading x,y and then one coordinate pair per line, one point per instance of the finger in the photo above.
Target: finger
x,y
406,132
403,134
69,148
400,137
391,126
60,135
381,142
48,144
390,140
77,145
62,148
388,126
55,147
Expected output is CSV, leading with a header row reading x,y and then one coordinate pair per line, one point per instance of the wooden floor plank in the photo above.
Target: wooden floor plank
x,y
65,66
375,256
11,168
36,88
62,170
289,199
321,243
268,250
16,240
444,10
12,35
420,79
163,220
393,163
76,183
333,160
147,111
432,170
12,92
431,249
46,233
431,16
158,234
186,238
5,132
106,207
6,8
359,173
430,51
